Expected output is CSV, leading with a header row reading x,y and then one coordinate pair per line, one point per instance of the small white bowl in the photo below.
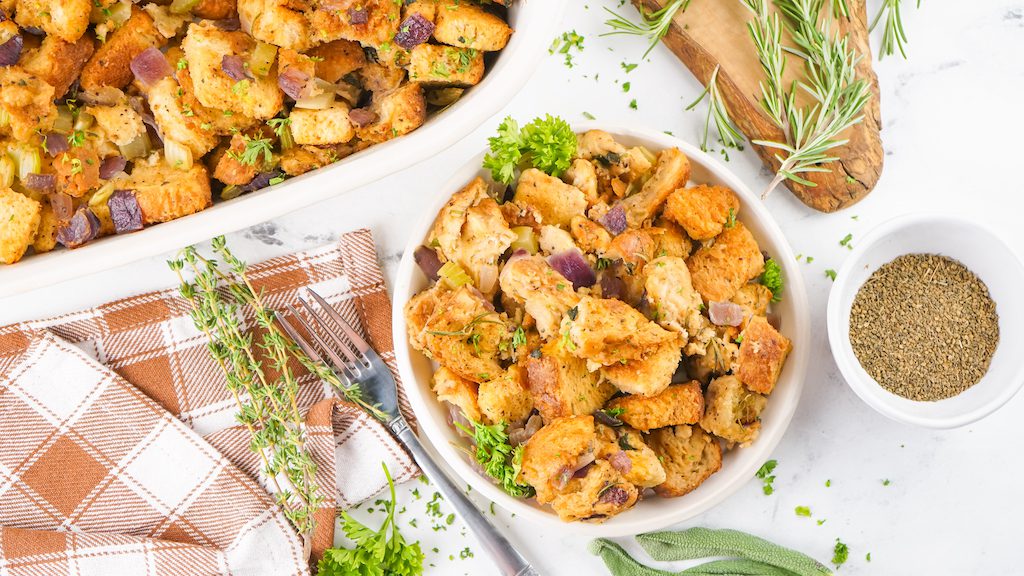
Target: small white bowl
x,y
982,252
653,513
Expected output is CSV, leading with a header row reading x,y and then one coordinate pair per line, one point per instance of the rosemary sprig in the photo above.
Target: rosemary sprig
x,y
894,36
719,113
653,25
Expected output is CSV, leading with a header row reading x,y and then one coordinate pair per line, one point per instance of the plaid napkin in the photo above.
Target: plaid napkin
x,y
119,452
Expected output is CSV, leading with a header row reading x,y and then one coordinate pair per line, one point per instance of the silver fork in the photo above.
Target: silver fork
x,y
357,364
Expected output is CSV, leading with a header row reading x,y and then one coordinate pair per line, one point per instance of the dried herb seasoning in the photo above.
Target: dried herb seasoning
x,y
924,327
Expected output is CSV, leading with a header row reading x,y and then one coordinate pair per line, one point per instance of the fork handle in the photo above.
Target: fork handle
x,y
509,561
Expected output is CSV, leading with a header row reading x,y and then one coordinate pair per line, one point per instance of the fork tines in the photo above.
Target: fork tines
x,y
332,334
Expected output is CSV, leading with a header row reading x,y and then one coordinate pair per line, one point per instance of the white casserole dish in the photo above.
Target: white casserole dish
x,y
738,466
535,23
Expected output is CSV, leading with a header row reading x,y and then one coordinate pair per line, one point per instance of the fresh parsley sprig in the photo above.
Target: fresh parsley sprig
x,y
497,457
547,144
653,25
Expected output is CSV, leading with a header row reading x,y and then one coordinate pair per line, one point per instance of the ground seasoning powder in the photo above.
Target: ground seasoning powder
x,y
924,327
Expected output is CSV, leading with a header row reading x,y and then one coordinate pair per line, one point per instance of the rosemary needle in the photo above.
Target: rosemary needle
x,y
653,25
894,36
719,113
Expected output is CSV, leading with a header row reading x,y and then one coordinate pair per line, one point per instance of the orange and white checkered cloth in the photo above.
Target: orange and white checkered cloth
x,y
119,452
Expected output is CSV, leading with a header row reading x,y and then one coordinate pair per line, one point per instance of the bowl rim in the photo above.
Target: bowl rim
x,y
867,389
512,69
625,524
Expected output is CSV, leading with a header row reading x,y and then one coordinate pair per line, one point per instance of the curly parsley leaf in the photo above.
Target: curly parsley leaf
x,y
547,144
771,278
497,457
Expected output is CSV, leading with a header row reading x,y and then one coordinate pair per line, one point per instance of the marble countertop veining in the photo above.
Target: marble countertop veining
x,y
920,501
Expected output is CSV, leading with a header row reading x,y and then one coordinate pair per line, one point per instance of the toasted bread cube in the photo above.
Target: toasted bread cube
x,y
110,65
184,126
754,299
216,9
228,169
561,384
583,175
545,294
670,292
600,494
78,170
762,355
418,311
704,211
379,27
320,127
649,375
677,404
719,270
65,19
615,444
608,332
672,240
465,334
505,399
589,235
338,58
435,65
689,455
274,22
719,358
46,233
209,120
555,201
399,112
57,62
671,172
165,193
468,25
427,9
19,220
301,159
28,102
731,411
205,46
555,448
120,123
456,390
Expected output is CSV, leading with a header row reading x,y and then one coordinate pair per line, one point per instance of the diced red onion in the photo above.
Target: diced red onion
x,y
125,211
517,436
612,286
362,117
562,478
725,313
614,495
582,472
455,416
234,67
294,82
150,66
56,143
262,180
414,31
517,254
10,51
426,258
83,227
41,182
621,462
615,220
34,30
358,15
574,267
111,165
228,24
62,205
775,320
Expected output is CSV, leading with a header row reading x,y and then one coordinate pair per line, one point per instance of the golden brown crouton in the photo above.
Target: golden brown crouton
x,y
598,143
670,292
465,334
589,235
719,358
166,193
622,444
19,219
672,240
46,233
301,159
205,47
704,211
338,58
600,494
582,175
505,398
78,170
671,172
120,123
435,65
754,299
28,102
110,64
377,77
215,9
731,411
468,25
554,240
398,112
184,125
229,169
720,269
677,404
418,311
544,293
274,22
648,375
66,19
377,25
762,354
551,455
562,386
690,456
426,9
320,127
608,332
555,201
634,247
452,388
57,62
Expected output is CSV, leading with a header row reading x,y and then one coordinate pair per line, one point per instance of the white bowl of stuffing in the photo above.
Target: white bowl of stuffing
x,y
612,350
206,117
924,320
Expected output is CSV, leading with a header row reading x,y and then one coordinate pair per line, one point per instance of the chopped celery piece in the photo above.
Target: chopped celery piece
x,y
65,122
262,58
183,6
101,196
27,159
177,155
84,120
7,170
136,148
230,191
453,275
525,239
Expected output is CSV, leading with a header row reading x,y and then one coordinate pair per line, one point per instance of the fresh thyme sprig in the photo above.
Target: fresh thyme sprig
x,y
653,25
894,36
830,78
719,113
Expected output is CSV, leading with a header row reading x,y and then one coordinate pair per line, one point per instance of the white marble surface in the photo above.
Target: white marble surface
x,y
951,120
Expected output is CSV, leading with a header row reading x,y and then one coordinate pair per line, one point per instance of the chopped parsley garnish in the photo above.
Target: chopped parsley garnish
x,y
771,279
886,482
518,338
565,43
626,86
803,511
766,476
629,67
254,149
730,221
831,274
497,457
846,241
547,144
840,553
632,104
589,116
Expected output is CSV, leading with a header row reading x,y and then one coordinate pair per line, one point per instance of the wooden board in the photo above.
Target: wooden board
x,y
713,32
